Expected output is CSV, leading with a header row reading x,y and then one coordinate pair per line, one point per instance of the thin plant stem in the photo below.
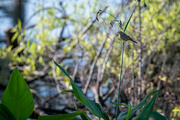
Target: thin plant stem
x,y
122,60
120,81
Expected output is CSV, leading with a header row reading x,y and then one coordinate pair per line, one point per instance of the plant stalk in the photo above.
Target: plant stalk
x,y
117,108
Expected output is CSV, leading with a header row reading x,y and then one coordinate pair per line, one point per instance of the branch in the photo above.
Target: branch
x,y
94,63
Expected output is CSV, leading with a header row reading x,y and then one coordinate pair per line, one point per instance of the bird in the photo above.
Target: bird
x,y
125,37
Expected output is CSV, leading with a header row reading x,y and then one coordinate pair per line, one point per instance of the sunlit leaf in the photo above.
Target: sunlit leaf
x,y
15,36
19,24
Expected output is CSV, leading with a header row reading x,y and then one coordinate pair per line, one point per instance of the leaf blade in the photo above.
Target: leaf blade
x,y
91,105
17,97
146,111
60,117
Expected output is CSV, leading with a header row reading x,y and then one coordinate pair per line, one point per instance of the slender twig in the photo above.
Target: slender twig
x,y
90,24
35,13
94,63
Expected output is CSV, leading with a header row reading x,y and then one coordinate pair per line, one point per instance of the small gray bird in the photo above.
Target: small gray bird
x,y
125,37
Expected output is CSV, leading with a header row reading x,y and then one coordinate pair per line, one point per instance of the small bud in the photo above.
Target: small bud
x,y
112,23
145,6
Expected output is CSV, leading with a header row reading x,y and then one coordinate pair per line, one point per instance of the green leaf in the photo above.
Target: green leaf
x,y
120,104
5,114
129,19
146,111
75,119
14,30
15,36
91,105
139,106
129,110
17,97
83,115
69,116
157,116
67,91
19,24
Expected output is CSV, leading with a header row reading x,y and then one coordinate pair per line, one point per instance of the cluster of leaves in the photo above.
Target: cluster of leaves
x,y
17,103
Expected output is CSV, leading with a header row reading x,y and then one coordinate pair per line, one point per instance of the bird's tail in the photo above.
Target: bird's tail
x,y
133,41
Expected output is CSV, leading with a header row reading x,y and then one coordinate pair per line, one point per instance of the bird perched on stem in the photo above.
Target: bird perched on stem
x,y
125,37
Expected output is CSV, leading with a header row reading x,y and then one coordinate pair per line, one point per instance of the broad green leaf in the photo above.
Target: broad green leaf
x,y
146,111
17,97
69,116
157,116
139,106
5,114
91,105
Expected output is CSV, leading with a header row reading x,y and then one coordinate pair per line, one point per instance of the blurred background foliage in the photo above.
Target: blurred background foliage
x,y
69,33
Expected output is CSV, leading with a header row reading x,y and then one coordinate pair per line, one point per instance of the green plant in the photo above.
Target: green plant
x,y
95,108
17,103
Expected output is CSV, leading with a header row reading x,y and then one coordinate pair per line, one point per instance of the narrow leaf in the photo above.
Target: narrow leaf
x,y
120,104
19,24
129,19
146,111
60,117
14,37
139,106
91,105
157,116
129,110
83,115
67,91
